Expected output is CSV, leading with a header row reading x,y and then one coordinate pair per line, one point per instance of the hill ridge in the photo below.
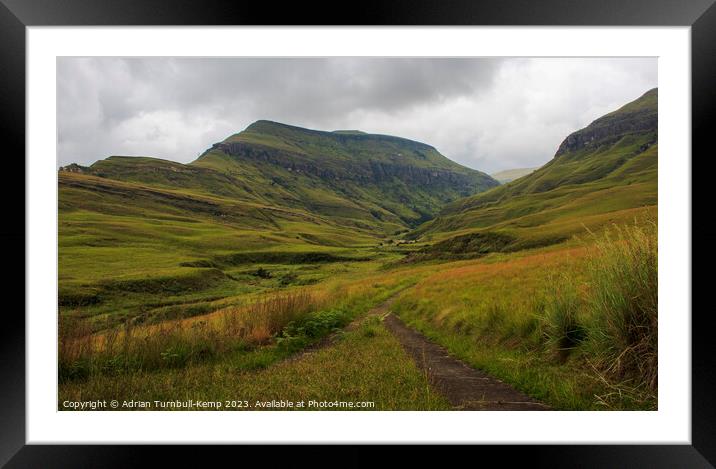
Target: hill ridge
x,y
265,126
370,182
608,166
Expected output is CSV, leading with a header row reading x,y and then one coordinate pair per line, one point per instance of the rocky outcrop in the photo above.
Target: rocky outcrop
x,y
75,168
609,129
369,171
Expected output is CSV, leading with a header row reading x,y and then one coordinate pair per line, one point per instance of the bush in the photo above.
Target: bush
x,y
316,325
262,273
561,326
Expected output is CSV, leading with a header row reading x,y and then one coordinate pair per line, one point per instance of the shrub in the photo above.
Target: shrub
x,y
561,326
262,273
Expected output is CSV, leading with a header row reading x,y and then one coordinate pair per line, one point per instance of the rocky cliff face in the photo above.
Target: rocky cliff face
x,y
605,133
639,119
369,171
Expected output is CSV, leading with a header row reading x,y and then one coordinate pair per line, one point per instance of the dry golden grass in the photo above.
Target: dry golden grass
x,y
364,364
177,343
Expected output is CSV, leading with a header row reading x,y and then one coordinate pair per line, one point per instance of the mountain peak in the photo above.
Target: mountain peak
x,y
288,132
264,125
348,157
349,132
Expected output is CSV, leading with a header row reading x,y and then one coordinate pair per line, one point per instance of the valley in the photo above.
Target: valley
x,y
241,272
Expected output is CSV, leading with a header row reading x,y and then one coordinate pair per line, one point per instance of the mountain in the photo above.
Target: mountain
x,y
363,180
273,191
601,172
350,174
509,175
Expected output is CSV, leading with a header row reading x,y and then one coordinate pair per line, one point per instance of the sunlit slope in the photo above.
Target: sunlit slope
x,y
600,174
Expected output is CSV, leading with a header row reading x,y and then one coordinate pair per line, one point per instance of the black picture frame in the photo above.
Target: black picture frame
x,y
16,15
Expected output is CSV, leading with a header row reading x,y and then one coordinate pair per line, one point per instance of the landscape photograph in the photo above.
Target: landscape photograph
x,y
357,233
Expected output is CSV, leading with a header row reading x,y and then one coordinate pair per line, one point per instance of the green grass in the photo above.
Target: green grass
x,y
126,251
275,325
175,281
366,364
622,319
572,326
136,234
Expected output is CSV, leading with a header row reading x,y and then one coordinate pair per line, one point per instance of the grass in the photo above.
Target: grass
x,y
140,257
132,225
265,330
623,307
572,326
365,364
526,317
209,280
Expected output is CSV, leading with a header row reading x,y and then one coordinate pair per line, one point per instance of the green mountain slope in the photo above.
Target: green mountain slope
x,y
370,182
129,225
609,166
347,174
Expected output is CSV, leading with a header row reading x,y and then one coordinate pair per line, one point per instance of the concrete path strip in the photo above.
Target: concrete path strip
x,y
466,388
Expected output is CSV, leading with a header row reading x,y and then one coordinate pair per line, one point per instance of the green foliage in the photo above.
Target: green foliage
x,y
313,327
478,244
278,257
262,273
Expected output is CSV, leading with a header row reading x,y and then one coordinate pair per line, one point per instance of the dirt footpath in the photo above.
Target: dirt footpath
x,y
464,387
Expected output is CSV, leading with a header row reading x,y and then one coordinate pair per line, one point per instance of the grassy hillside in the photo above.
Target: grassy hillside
x,y
572,325
274,206
555,288
212,278
381,180
599,173
509,175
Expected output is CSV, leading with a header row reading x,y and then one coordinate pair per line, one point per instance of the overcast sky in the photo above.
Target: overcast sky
x,y
486,113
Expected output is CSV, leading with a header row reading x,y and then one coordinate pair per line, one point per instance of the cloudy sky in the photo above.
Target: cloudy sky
x,y
486,113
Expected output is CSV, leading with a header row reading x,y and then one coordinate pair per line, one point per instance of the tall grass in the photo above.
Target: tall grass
x,y
614,322
286,322
623,304
562,328
175,344
261,320
575,326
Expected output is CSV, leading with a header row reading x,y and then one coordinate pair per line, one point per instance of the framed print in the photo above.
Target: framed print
x,y
419,224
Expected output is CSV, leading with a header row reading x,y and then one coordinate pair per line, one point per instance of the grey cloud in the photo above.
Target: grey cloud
x,y
489,113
